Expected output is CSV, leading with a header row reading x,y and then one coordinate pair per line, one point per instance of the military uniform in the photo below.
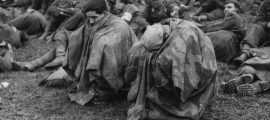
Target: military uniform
x,y
8,38
226,36
57,16
212,9
153,12
41,5
172,73
258,35
32,22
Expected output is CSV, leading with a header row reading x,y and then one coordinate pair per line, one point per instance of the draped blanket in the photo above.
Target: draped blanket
x,y
98,56
175,81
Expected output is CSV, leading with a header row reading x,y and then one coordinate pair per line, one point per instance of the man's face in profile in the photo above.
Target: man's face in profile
x,y
230,8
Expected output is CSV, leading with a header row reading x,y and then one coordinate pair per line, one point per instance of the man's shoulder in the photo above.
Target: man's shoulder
x,y
118,22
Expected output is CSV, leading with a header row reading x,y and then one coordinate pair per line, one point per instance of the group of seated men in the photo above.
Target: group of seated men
x,y
166,65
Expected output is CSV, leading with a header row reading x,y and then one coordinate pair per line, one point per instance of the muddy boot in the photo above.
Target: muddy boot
x,y
58,78
239,60
254,88
231,86
39,62
18,66
60,57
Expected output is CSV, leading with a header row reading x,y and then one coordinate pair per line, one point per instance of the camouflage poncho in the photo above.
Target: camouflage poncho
x,y
175,81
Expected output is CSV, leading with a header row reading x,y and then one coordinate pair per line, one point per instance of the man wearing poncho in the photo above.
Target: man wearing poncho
x,y
97,54
173,72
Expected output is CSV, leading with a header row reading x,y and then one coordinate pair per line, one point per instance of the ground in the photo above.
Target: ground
x,y
24,99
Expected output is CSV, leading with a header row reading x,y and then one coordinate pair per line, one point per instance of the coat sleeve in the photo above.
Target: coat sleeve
x,y
215,14
226,24
74,22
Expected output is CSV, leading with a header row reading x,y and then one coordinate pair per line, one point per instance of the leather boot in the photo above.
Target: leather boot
x,y
239,60
253,88
39,62
231,86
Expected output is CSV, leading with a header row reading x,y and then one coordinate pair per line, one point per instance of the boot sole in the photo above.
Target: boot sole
x,y
231,86
245,90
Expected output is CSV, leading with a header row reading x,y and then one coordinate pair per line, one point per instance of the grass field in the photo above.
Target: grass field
x,y
24,100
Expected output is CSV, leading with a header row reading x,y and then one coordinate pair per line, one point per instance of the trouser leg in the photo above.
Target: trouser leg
x,y
60,51
41,61
255,35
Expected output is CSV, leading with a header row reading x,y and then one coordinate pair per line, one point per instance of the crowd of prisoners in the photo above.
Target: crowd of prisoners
x,y
162,53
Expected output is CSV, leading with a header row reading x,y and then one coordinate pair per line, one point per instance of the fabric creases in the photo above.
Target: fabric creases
x,y
98,56
177,80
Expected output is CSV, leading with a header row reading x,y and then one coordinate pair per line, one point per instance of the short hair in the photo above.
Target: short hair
x,y
123,1
236,4
99,6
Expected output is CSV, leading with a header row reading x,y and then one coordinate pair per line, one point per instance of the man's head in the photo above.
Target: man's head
x,y
161,9
94,10
115,6
232,6
158,10
22,5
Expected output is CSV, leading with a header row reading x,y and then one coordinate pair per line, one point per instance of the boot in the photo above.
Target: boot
x,y
58,78
17,66
254,88
239,60
39,62
231,86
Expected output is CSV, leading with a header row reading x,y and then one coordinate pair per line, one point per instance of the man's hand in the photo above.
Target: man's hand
x,y
199,18
268,25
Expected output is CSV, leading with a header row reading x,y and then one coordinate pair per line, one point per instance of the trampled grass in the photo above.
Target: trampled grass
x,y
25,100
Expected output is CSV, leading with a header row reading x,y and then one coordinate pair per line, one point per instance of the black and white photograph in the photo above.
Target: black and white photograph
x,y
134,59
